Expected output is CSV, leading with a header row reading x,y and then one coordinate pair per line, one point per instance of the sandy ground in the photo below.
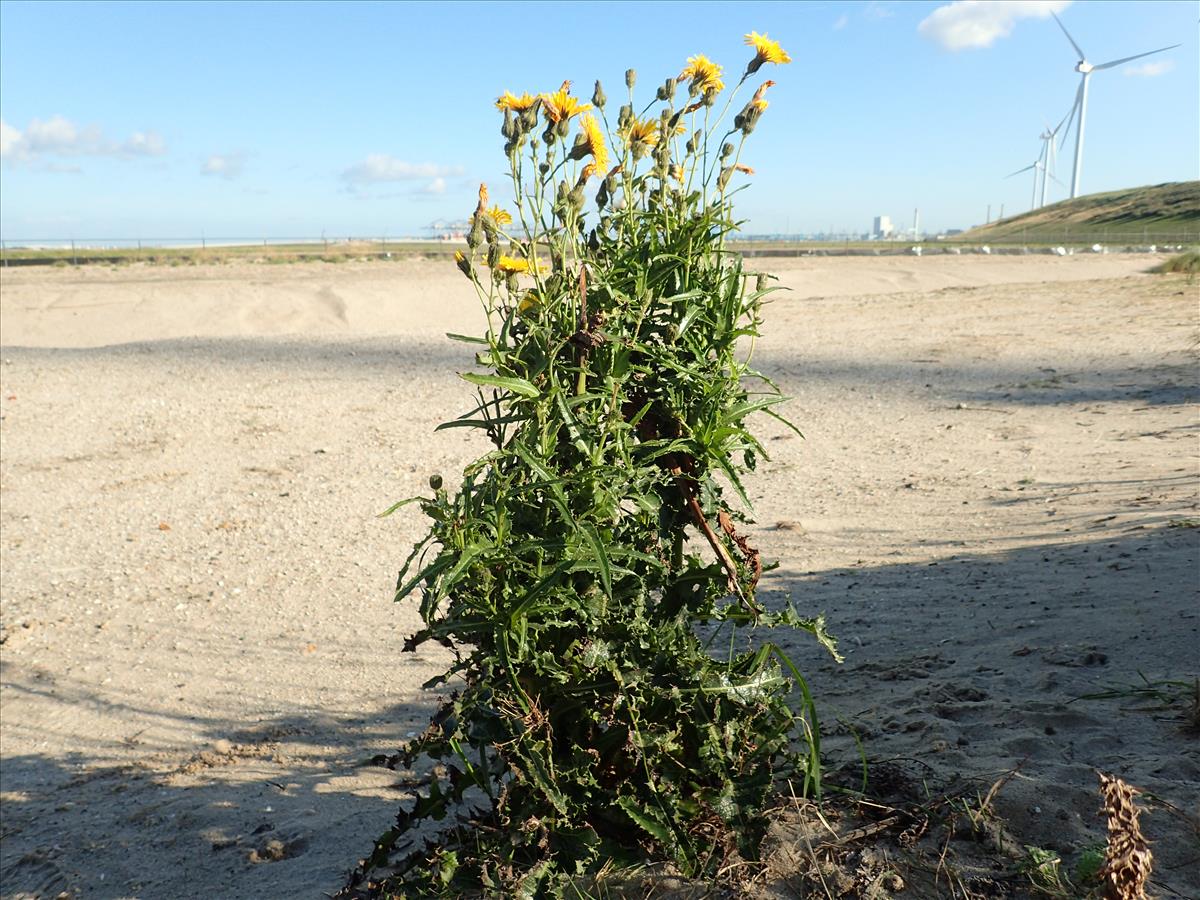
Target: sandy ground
x,y
992,505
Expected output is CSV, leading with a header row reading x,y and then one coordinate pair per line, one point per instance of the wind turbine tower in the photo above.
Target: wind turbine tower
x,y
1085,69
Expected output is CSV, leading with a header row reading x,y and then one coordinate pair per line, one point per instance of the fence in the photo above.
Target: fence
x,y
78,251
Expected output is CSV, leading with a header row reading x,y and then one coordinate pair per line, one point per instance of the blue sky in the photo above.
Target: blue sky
x,y
172,120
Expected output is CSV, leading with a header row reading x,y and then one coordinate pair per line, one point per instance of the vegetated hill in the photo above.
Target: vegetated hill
x,y
1163,212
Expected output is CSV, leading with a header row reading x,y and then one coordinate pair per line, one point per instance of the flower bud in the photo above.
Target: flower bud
x,y
490,231
580,148
630,78
598,97
464,266
625,116
511,282
529,117
435,482
509,128
723,178
748,117
543,168
493,255
563,128
762,282
727,151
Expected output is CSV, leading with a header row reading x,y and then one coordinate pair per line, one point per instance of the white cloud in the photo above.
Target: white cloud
x,y
143,143
966,24
225,165
841,22
1149,70
60,137
437,186
379,167
9,137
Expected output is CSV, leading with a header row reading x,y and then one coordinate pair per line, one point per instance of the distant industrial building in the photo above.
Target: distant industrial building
x,y
882,227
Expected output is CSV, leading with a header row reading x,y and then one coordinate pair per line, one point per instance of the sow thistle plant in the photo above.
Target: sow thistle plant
x,y
589,575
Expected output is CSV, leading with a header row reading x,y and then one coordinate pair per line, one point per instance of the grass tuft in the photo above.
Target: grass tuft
x,y
1181,264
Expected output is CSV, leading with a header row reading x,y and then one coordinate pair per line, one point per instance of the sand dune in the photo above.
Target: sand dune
x,y
96,306
992,505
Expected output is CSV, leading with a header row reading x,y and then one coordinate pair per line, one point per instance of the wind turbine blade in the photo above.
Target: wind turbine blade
x,y
1019,171
1078,49
1070,114
1117,62
1055,180
1074,110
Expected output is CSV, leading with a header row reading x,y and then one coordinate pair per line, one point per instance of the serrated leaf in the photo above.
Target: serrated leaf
x,y
646,819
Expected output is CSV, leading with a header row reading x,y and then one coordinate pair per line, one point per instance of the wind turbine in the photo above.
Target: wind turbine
x,y
1038,166
1050,152
1085,69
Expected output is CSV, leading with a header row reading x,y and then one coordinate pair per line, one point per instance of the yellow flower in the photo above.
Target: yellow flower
x,y
704,74
641,132
500,216
765,51
510,265
677,173
595,145
528,302
517,104
561,105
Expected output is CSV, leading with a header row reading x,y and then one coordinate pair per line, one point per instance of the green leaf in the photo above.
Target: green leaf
x,y
466,338
516,385
744,409
431,571
647,819
395,506
481,423
592,536
539,773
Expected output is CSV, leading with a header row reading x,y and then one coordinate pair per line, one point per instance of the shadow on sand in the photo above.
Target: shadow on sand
x,y
970,665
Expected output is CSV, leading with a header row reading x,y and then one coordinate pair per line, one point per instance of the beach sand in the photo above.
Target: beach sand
x,y
995,505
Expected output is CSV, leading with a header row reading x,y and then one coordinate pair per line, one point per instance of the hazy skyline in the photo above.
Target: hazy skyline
x,y
122,120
